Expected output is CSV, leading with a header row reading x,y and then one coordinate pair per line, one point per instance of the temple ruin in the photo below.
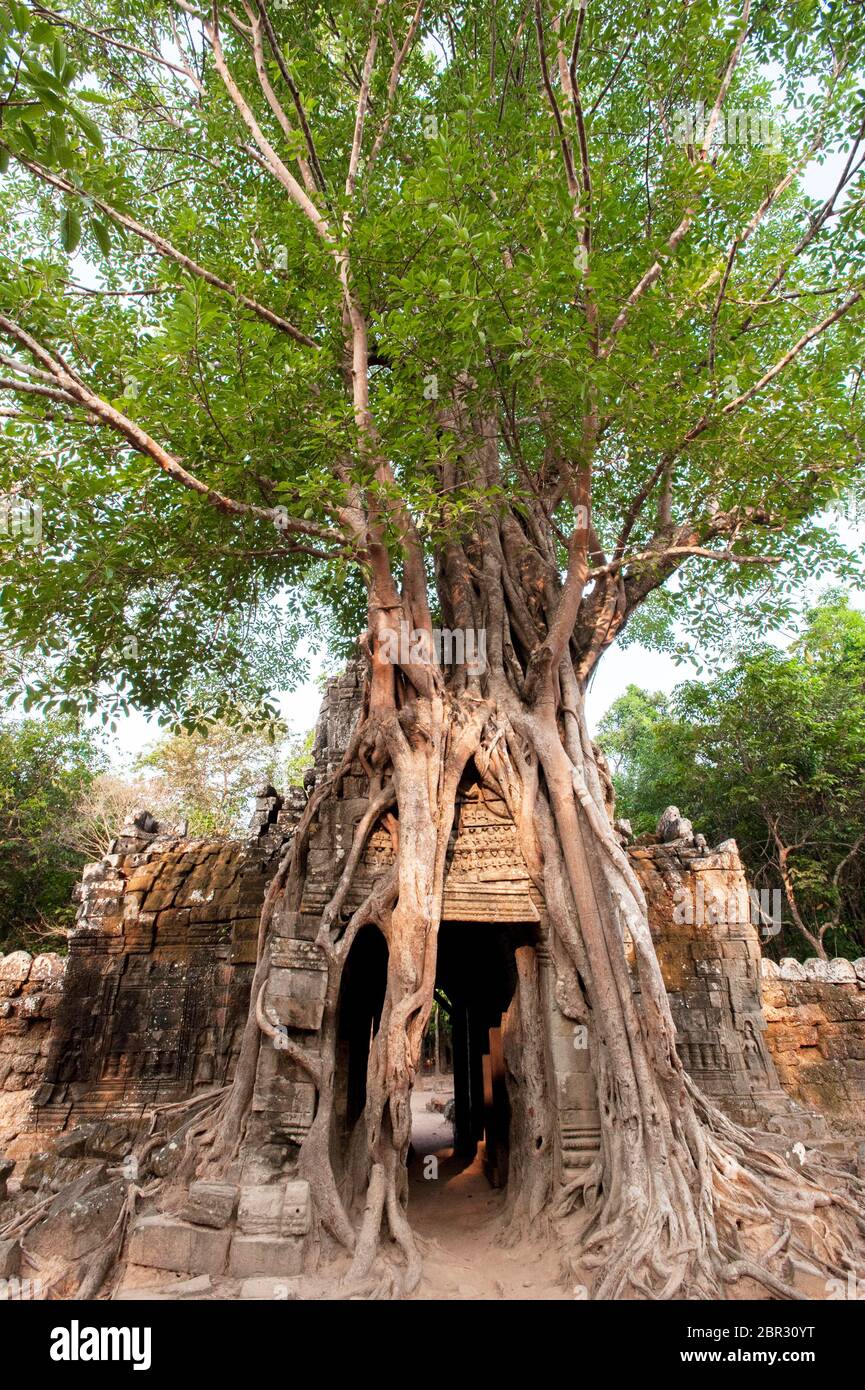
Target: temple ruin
x,y
150,1005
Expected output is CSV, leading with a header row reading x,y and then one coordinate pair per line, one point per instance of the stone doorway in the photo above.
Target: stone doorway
x,y
476,981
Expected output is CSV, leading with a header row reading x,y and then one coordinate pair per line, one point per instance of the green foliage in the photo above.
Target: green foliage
x,y
465,257
649,751
770,752
209,777
296,758
45,767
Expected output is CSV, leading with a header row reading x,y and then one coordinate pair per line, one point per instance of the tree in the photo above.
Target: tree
x,y
771,752
101,811
45,765
206,779
650,753
209,778
389,318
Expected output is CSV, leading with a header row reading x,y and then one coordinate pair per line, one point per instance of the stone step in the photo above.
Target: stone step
x,y
163,1242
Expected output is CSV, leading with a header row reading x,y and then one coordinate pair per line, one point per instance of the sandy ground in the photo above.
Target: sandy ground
x,y
456,1216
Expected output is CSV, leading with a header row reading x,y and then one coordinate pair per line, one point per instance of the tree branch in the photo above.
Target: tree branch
x,y
164,248
111,42
73,390
298,195
393,82
314,161
272,100
732,406
677,236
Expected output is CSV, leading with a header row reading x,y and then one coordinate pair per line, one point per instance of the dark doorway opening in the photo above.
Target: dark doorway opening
x,y
475,984
361,998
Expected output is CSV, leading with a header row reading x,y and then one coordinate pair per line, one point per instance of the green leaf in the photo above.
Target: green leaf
x,y
102,234
70,229
58,55
90,129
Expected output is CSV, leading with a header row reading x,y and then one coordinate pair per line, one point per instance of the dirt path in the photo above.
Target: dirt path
x,y
456,1213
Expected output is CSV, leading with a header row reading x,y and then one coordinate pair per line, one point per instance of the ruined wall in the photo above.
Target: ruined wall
x,y
30,994
815,1015
159,970
709,952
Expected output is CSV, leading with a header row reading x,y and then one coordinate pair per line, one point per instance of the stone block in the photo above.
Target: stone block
x,y
841,972
260,1210
296,996
210,1204
159,898
73,1143
109,1140
77,1224
265,1255
48,969
816,969
199,1287
162,1242
15,968
49,1172
296,1209
790,969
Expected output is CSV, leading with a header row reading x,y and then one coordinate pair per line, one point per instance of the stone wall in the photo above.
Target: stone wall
x,y
709,953
815,1015
159,970
30,994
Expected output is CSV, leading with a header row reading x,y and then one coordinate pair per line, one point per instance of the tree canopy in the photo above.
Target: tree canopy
x,y
260,263
770,752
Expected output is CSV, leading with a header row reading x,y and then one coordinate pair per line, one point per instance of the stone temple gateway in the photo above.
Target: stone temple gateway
x,y
157,984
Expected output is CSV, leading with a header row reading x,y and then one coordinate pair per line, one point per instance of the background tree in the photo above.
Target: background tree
x,y
650,753
771,752
45,767
102,809
353,319
209,778
206,779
